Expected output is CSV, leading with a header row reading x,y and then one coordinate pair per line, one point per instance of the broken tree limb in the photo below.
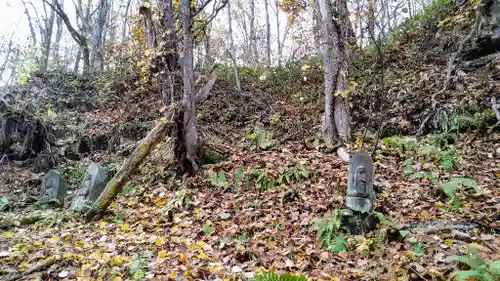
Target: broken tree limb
x,y
142,150
31,270
116,184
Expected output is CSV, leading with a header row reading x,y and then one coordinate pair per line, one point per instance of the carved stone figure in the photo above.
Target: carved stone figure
x,y
93,184
53,189
360,183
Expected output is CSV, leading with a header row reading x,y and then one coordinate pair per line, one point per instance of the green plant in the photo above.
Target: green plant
x,y
258,138
328,232
208,227
271,276
180,199
388,222
419,249
140,265
218,178
479,268
451,189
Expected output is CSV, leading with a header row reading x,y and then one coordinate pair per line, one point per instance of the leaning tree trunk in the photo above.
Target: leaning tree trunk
x,y
163,128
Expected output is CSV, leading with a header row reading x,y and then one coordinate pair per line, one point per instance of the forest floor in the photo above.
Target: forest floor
x,y
218,228
256,210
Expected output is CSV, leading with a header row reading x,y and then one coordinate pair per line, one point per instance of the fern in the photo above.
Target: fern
x,y
479,268
140,266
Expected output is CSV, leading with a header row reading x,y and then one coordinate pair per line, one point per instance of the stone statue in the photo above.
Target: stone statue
x,y
93,184
360,183
53,189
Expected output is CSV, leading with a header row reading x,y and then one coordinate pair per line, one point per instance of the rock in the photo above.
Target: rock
x,y
53,189
93,184
360,183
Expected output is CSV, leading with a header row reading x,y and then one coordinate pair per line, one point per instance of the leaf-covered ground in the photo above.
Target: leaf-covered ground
x,y
228,232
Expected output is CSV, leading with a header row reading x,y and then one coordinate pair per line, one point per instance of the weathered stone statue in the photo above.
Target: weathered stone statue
x,y
357,218
93,184
360,183
53,189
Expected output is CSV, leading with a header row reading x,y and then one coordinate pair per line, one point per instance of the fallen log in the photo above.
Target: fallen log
x,y
31,270
162,128
116,184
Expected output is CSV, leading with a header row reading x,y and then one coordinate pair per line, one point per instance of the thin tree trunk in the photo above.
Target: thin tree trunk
x,y
47,39
268,33
190,133
57,43
7,56
97,34
253,35
232,50
208,55
77,61
125,22
148,25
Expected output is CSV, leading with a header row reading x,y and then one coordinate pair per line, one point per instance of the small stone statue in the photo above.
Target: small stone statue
x,y
93,184
53,189
360,183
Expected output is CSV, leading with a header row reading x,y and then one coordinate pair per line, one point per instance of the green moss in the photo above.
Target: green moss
x,y
212,156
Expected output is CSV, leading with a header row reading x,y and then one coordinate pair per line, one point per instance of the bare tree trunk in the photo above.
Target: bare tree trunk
x,y
232,50
97,34
190,134
47,39
7,56
316,26
30,23
77,36
57,43
334,59
77,61
371,19
125,22
208,55
253,35
268,33
145,10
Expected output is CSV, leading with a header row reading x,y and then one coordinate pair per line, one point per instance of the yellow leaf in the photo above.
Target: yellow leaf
x,y
68,255
51,113
102,225
200,244
8,234
147,5
125,227
164,120
55,238
116,260
162,254
262,78
305,67
113,205
174,229
131,203
163,108
38,243
448,242
202,256
86,270
159,241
